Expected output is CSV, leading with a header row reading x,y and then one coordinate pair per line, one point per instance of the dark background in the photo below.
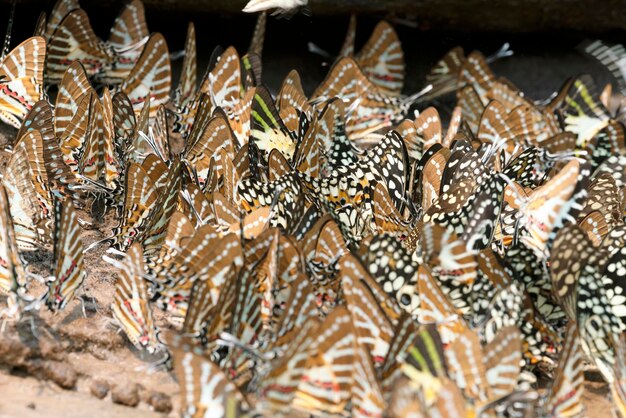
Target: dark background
x,y
544,55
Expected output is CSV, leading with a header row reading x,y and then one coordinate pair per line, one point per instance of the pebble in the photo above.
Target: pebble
x,y
125,394
99,388
60,373
160,402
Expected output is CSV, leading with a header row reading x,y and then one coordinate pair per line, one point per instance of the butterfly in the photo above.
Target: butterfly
x,y
69,268
566,391
150,76
74,85
206,390
369,108
174,280
393,268
283,7
258,36
61,178
150,198
549,207
268,131
12,273
611,56
374,331
21,80
186,88
445,74
27,185
131,305
74,39
127,39
326,383
61,9
382,59
576,285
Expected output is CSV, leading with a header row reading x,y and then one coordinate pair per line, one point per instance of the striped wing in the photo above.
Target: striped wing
x,y
217,135
326,384
12,274
258,36
279,386
140,196
367,395
124,121
466,367
502,358
268,130
151,76
552,204
566,391
69,272
206,256
113,156
91,163
27,185
61,9
126,40
74,39
40,119
425,356
374,330
436,308
476,73
187,84
613,57
382,59
73,87
129,27
21,75
582,112
444,76
153,235
131,306
223,82
206,390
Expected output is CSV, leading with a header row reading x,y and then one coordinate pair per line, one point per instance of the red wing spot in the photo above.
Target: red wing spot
x,y
6,90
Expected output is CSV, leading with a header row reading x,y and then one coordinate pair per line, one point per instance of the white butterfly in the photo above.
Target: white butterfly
x,y
282,6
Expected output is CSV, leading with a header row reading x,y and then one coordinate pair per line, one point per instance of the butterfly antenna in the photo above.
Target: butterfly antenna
x,y
314,49
503,52
408,101
176,55
7,37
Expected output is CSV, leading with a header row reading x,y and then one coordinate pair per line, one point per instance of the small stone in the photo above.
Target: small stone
x,y
125,394
60,373
160,402
31,405
12,351
99,388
